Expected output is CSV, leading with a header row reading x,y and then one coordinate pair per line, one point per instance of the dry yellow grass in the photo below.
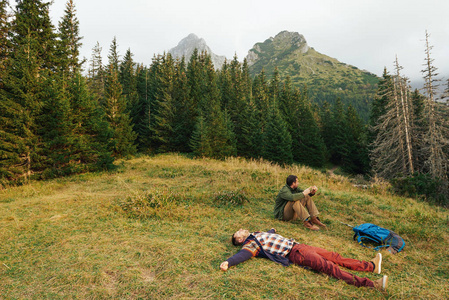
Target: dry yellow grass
x,y
71,238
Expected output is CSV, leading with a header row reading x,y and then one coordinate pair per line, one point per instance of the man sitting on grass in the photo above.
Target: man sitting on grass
x,y
293,203
286,251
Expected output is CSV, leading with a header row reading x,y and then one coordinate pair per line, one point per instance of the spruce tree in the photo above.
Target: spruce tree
x,y
356,161
251,137
69,42
86,133
308,144
195,78
93,137
326,124
277,141
7,143
185,110
5,47
162,128
337,142
261,97
219,136
117,117
128,80
199,141
57,131
141,119
96,73
30,66
380,102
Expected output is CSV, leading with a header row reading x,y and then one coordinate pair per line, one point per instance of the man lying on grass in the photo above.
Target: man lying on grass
x,y
286,251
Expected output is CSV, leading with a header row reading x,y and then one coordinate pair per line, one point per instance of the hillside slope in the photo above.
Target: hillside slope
x,y
326,78
159,227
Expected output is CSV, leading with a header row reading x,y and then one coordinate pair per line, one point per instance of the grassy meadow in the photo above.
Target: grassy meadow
x,y
158,228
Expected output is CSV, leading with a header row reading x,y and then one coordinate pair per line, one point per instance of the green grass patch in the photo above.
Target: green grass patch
x,y
159,227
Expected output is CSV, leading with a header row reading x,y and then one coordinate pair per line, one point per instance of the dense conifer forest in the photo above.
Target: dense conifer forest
x,y
57,118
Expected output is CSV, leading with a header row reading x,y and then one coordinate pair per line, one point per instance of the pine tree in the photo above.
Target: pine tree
x,y
117,117
275,86
337,144
69,42
79,134
234,97
128,80
326,127
380,102
195,78
185,110
5,47
96,73
57,131
251,138
30,65
224,82
7,143
162,128
308,145
277,141
113,56
93,137
261,98
217,128
141,120
199,141
357,159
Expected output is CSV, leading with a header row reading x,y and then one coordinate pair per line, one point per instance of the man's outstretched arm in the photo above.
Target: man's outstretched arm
x,y
239,257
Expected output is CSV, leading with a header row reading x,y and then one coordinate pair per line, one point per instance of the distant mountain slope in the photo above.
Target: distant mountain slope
x,y
188,44
327,79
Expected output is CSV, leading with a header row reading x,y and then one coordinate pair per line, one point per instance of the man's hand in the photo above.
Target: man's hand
x,y
224,266
310,190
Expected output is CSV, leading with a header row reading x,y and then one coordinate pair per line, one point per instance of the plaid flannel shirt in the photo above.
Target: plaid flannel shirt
x,y
271,242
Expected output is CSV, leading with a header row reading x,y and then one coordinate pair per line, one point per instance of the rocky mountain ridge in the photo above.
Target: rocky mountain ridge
x,y
188,44
326,78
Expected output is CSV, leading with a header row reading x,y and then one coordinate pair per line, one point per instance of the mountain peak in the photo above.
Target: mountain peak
x,y
282,42
188,44
293,38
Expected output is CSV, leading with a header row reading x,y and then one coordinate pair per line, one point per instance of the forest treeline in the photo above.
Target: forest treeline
x,y
58,119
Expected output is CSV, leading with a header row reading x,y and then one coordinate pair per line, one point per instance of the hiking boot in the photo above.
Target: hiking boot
x,y
310,226
316,221
377,261
381,284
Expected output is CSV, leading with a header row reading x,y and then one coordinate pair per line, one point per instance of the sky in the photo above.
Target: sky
x,y
364,33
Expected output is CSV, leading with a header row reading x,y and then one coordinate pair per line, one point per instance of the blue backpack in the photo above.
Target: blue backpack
x,y
385,238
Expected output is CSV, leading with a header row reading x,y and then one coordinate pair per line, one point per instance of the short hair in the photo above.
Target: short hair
x,y
234,241
291,179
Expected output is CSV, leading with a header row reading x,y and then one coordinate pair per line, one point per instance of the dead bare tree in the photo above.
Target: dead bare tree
x,y
436,137
392,149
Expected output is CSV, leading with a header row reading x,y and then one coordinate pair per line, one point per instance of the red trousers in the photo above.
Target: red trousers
x,y
321,260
